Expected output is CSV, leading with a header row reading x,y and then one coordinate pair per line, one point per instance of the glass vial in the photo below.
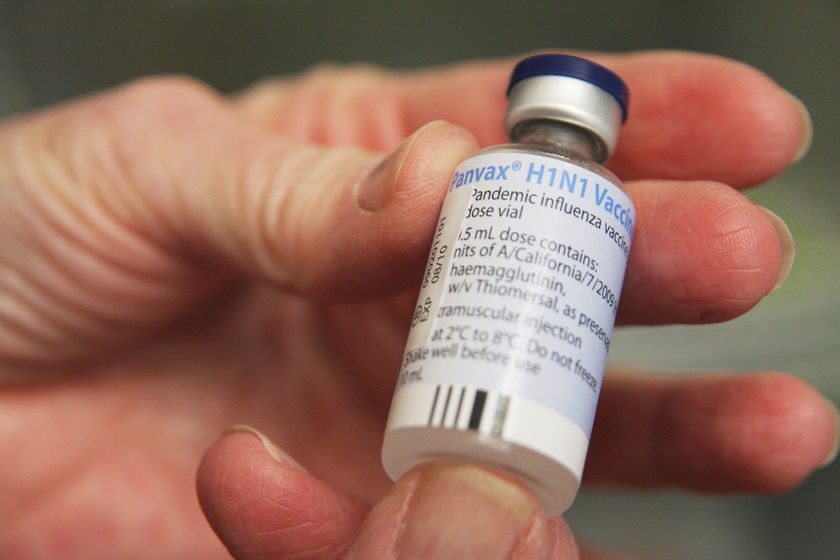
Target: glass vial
x,y
509,339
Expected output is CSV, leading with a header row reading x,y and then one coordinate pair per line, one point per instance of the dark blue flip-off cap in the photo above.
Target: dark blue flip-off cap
x,y
573,67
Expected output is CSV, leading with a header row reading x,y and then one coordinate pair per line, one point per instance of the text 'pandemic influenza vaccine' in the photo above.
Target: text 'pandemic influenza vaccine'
x,y
509,340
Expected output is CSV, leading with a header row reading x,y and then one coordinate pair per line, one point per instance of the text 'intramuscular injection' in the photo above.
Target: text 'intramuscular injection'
x,y
508,343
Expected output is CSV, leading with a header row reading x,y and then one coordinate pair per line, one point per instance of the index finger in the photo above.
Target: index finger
x,y
692,116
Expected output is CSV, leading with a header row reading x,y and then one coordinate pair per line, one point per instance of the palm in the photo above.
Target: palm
x,y
125,439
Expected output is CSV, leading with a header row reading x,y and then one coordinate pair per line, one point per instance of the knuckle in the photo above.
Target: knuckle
x,y
160,89
161,101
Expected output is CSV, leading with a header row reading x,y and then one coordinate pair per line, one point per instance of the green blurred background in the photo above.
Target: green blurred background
x,y
51,50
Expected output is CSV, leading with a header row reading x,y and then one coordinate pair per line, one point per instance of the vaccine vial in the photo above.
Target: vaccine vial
x,y
508,343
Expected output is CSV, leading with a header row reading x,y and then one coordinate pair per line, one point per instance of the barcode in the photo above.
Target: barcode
x,y
477,410
452,406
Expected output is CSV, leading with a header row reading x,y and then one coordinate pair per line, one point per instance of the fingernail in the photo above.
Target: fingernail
x,y
786,245
807,128
448,147
269,445
835,450
462,511
374,190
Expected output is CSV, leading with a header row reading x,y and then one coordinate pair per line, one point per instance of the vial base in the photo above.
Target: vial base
x,y
548,459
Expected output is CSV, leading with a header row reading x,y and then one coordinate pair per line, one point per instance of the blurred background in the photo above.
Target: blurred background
x,y
51,50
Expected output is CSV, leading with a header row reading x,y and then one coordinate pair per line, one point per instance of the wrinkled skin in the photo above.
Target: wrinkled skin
x,y
173,262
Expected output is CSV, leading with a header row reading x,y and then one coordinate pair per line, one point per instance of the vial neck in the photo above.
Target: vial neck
x,y
560,136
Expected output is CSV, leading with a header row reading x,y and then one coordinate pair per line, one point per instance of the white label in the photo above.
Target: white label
x,y
521,289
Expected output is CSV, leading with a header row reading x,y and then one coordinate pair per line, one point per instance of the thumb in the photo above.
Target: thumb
x,y
121,211
343,221
457,511
335,220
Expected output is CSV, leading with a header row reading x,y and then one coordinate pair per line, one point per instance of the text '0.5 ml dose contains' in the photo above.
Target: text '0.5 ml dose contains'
x,y
509,339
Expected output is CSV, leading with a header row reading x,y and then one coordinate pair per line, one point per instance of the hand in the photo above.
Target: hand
x,y
173,262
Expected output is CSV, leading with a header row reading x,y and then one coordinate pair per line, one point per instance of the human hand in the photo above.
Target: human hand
x,y
173,262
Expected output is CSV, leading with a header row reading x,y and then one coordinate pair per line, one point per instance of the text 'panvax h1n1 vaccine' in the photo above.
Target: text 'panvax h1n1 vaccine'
x,y
509,340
